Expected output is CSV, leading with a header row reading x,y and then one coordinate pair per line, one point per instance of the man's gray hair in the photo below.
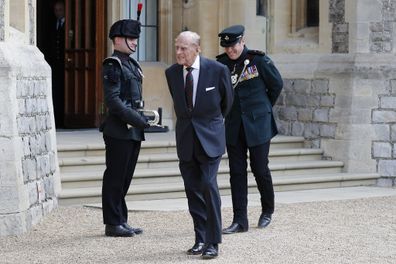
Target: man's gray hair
x,y
193,36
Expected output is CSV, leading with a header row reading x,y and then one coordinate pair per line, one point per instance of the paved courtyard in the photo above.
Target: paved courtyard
x,y
344,230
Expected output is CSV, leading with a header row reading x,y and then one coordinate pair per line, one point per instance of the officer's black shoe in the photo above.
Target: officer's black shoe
x,y
118,231
234,228
211,251
135,230
197,249
264,220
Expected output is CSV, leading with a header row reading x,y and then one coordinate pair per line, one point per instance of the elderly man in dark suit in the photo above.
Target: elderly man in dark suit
x,y
202,95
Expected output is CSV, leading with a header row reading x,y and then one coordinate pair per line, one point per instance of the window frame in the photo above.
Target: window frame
x,y
130,12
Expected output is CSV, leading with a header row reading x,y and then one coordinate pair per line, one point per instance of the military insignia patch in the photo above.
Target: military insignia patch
x,y
112,75
234,78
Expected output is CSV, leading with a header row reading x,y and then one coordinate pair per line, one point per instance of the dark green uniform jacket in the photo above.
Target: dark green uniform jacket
x,y
254,96
122,86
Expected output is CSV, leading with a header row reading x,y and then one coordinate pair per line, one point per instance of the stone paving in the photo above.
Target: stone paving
x,y
339,231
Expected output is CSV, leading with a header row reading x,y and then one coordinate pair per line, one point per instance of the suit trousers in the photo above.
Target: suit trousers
x,y
258,155
121,158
200,182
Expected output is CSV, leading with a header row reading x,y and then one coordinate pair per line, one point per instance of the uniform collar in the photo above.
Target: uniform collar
x,y
123,56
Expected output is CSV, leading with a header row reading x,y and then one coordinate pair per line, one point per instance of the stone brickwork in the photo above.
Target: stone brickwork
x,y
384,150
29,172
32,22
346,105
340,31
382,33
2,20
303,109
34,128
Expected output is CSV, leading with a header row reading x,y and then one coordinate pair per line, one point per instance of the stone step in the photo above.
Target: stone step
x,y
157,174
150,147
160,175
170,160
149,191
97,149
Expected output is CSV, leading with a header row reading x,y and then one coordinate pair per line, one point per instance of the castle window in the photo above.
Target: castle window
x,y
305,13
261,8
148,41
312,13
17,21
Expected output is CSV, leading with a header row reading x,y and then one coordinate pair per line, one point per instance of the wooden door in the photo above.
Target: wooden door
x,y
84,51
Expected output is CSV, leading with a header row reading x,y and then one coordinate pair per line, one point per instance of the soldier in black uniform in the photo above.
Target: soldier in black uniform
x,y
123,128
250,124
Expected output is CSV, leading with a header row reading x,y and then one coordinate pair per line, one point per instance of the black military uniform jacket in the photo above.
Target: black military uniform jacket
x,y
254,96
122,85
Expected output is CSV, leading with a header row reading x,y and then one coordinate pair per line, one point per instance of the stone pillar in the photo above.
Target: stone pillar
x,y
244,13
29,171
195,15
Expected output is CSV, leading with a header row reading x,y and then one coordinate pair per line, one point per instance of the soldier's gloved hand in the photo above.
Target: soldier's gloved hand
x,y
147,125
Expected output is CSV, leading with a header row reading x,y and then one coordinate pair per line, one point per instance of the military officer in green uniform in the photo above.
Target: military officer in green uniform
x,y
250,124
123,128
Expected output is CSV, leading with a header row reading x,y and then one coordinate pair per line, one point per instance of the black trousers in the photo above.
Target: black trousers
x,y
200,183
121,158
258,156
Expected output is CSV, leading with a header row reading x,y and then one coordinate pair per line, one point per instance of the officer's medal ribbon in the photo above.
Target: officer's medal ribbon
x,y
250,73
237,80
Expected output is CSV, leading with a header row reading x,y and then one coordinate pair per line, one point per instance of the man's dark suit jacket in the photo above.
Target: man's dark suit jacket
x,y
213,101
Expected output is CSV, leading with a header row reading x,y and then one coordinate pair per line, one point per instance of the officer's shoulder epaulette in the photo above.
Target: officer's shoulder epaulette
x,y
256,52
112,58
221,55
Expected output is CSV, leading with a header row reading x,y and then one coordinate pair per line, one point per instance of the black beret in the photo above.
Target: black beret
x,y
231,35
125,28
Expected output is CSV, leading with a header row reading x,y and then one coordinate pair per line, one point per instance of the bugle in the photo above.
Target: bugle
x,y
152,116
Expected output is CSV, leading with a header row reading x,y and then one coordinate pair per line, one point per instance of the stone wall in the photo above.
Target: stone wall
x,y
303,109
344,104
29,172
340,31
382,33
2,20
384,149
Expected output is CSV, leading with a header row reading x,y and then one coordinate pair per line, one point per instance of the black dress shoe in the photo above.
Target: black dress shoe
x,y
135,230
264,220
197,249
211,251
118,231
234,228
